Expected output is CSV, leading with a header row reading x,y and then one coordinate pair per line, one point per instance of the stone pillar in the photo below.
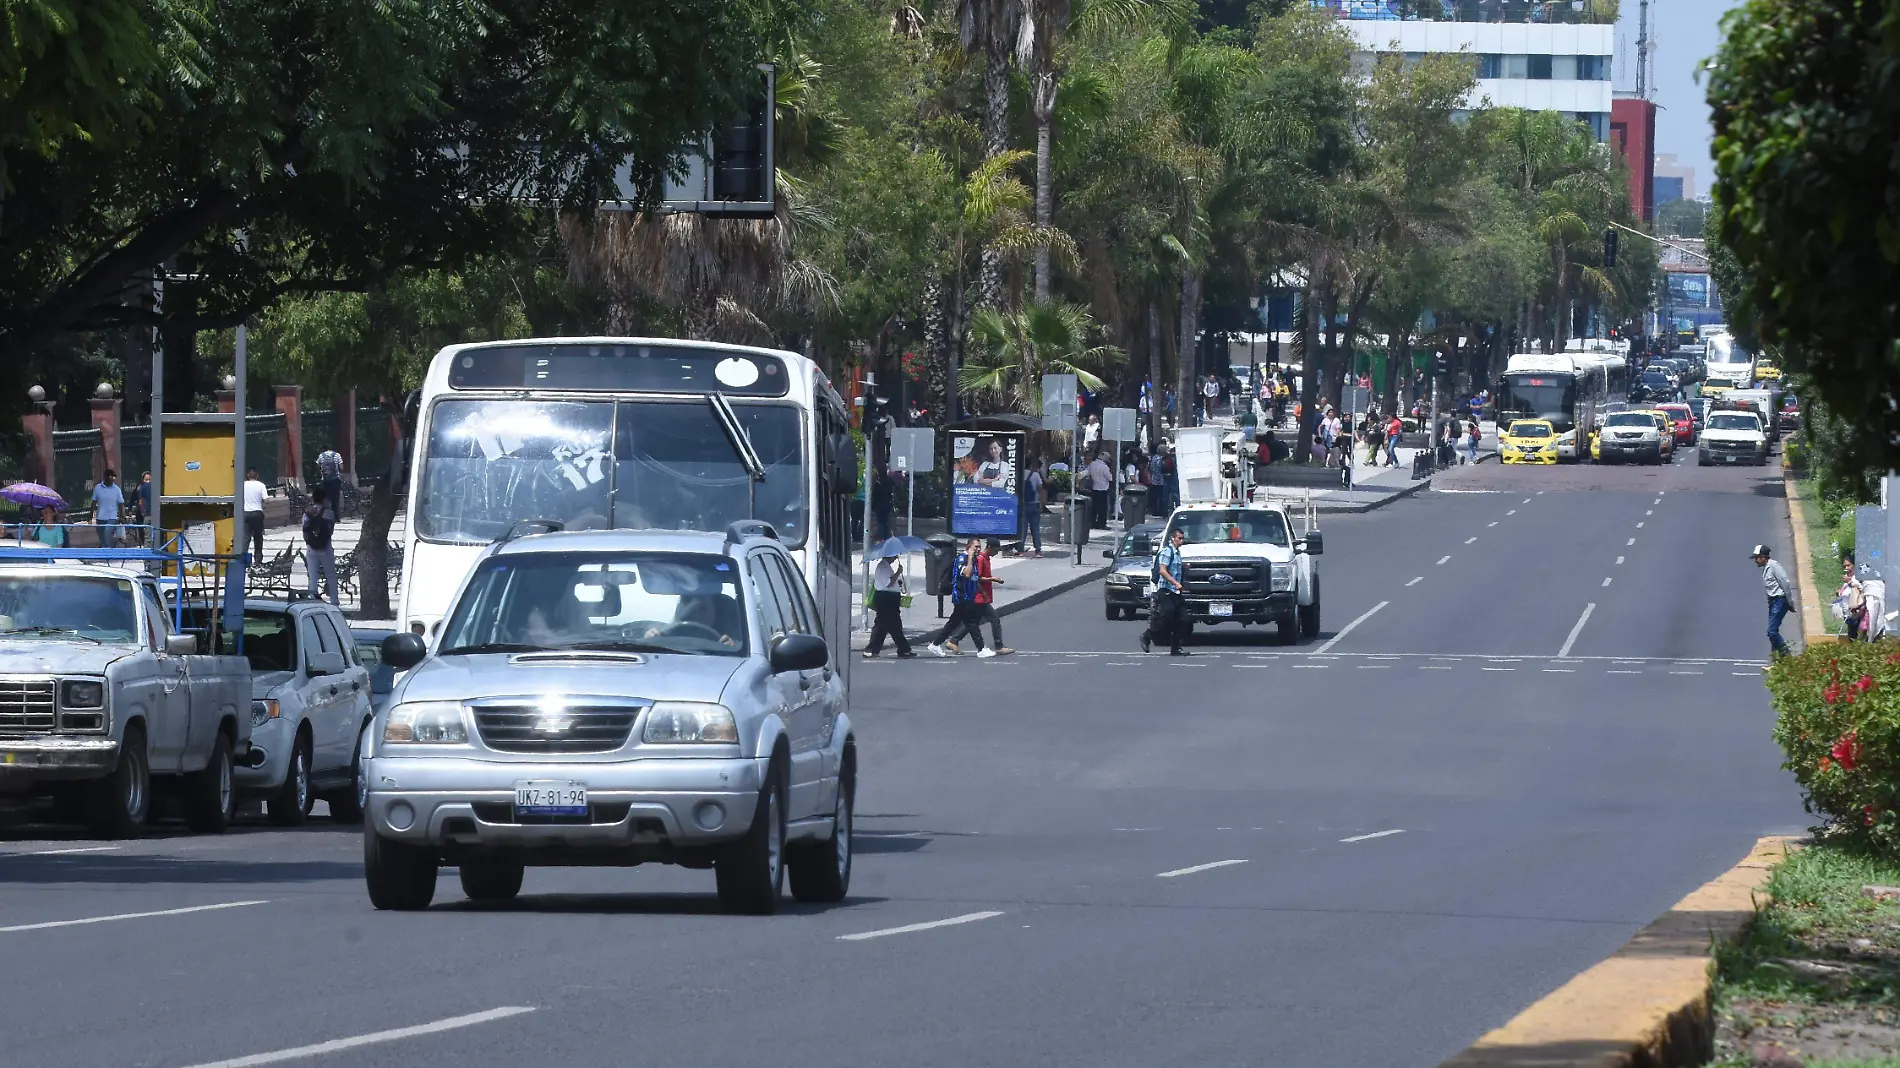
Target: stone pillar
x,y
105,419
289,403
38,424
227,400
344,408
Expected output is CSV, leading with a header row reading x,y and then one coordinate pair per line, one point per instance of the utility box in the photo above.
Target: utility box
x,y
1197,462
200,461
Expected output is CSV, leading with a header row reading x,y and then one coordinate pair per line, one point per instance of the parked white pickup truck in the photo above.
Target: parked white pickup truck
x,y
98,698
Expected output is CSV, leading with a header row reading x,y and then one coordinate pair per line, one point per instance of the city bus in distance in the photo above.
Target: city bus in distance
x,y
628,433
1730,365
1568,389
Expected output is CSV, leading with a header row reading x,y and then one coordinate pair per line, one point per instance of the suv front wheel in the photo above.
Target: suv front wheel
x,y
821,870
751,871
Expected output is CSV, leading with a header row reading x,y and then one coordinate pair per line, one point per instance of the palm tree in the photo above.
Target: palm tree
x,y
990,28
1012,350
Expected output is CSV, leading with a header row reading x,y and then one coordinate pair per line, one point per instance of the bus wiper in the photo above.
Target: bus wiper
x,y
51,630
492,647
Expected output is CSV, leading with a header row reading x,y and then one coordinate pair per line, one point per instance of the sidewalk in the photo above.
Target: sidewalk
x,y
1020,582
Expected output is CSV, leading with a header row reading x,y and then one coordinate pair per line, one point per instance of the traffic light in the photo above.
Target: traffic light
x,y
1609,248
1441,365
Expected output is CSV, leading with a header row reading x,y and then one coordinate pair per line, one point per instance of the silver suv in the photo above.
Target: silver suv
x,y
617,697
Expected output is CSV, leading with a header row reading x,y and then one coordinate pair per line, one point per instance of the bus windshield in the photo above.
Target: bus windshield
x,y
644,464
1539,396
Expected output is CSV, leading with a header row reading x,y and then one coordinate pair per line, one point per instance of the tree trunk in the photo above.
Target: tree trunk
x,y
372,544
1187,390
1155,387
989,286
1397,357
1330,365
1045,106
1309,378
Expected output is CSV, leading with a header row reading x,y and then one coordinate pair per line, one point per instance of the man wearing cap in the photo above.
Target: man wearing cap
x,y
1774,581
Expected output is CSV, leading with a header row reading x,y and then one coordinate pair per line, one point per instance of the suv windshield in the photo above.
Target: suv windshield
x,y
1630,419
633,601
1250,526
1135,545
61,606
1733,421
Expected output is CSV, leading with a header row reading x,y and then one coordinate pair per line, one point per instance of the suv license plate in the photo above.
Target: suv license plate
x,y
1732,459
1221,608
551,798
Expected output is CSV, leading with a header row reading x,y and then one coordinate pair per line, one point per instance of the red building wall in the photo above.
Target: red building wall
x,y
1633,132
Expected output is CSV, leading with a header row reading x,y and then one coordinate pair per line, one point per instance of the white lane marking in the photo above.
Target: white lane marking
x,y
1497,669
1685,672
1649,512
1375,834
1337,638
912,928
1614,671
1469,540
1444,667
1661,494
1540,493
1578,629
1656,501
1639,526
1312,665
1560,671
1511,512
127,916
338,1044
1492,523
1415,581
1750,674
1374,667
63,852
1198,868
1526,500
1619,561
1441,561
1632,541
1606,580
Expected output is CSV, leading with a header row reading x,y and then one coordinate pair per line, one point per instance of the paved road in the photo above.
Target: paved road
x,y
1360,851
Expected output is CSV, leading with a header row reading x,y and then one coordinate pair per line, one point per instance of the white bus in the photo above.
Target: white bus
x,y
629,433
1729,364
1571,390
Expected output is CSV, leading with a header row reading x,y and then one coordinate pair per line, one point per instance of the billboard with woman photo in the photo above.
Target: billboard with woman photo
x,y
984,469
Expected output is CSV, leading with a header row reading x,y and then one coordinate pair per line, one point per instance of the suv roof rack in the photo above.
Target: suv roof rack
x,y
527,527
742,529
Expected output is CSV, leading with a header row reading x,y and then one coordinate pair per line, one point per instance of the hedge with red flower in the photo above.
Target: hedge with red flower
x,y
1838,722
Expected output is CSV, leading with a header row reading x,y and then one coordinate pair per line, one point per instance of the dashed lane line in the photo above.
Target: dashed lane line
x,y
1619,561
1630,542
1375,834
1492,523
1415,581
63,852
913,928
1576,630
1471,539
1606,580
48,925
1348,628
1441,560
337,1045
1198,868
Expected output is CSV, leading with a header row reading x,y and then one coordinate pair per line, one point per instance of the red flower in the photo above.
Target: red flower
x,y
1864,683
1847,750
1824,764
1832,693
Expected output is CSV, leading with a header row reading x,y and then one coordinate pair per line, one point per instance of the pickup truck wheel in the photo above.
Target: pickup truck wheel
x,y
1309,614
117,805
821,871
751,871
491,878
210,798
290,803
346,806
400,876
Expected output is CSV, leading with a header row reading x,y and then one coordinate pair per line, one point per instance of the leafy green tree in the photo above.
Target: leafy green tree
x,y
1012,350
1807,199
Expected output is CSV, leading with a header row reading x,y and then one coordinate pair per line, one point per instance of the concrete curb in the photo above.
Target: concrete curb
x,y
1813,629
1648,1005
1075,581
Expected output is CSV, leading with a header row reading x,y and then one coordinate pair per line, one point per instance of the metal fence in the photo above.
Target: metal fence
x,y
261,435
372,446
319,433
135,452
72,465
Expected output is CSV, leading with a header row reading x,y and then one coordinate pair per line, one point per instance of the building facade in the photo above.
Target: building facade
x,y
1633,133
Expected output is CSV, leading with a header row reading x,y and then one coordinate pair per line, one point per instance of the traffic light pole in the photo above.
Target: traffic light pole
x,y
866,424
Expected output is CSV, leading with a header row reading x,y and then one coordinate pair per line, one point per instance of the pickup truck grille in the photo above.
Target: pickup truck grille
x,y
26,705
526,729
1243,577
1729,446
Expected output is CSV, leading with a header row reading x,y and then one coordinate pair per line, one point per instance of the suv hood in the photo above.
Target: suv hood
x,y
51,656
661,676
1236,550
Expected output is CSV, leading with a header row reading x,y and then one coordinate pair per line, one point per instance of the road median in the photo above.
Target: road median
x,y
1649,1004
1813,625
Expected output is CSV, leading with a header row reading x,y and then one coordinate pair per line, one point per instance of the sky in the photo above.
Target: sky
x,y
1685,33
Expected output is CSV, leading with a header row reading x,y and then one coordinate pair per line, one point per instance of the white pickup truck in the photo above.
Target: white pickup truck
x,y
1245,563
98,697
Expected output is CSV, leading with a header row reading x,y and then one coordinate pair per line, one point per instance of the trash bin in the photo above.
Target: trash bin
x,y
1421,464
938,563
1078,519
1134,504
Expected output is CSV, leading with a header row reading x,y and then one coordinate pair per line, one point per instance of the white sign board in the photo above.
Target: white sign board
x,y
913,449
1118,424
1058,402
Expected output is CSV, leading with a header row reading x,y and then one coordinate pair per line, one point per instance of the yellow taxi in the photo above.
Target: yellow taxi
x,y
1665,426
1714,389
1766,372
1528,441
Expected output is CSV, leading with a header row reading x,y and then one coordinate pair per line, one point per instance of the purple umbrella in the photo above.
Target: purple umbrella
x,y
32,493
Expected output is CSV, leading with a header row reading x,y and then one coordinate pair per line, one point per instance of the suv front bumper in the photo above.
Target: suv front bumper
x,y
440,801
24,761
1248,608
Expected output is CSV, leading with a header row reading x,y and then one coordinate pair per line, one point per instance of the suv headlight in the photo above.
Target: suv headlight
x,y
79,693
690,722
1117,578
426,722
1283,576
263,710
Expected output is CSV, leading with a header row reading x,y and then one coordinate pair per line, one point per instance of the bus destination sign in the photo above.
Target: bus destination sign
x,y
619,369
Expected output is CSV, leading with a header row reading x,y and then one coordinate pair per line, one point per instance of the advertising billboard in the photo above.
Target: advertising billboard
x,y
984,467
1687,289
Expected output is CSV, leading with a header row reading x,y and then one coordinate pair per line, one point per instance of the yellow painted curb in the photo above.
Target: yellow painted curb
x,y
1813,629
1647,1006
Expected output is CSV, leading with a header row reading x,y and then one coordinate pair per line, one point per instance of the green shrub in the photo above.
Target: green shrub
x,y
1058,482
1838,721
1795,454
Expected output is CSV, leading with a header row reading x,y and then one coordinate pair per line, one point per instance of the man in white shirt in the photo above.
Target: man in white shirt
x,y
1780,590
1100,478
887,602
254,515
1210,396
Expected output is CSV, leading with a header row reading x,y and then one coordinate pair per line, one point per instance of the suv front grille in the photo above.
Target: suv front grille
x,y
1244,577
527,729
26,704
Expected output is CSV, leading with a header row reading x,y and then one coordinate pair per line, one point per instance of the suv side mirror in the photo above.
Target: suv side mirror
x,y
1108,554
181,644
799,652
1314,544
404,651
324,663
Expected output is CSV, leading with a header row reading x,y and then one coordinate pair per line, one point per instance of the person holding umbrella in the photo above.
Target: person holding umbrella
x,y
888,588
41,498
